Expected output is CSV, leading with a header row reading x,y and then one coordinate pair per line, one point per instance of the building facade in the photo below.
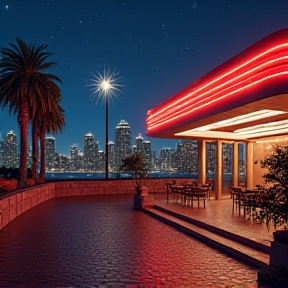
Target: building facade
x,y
186,157
122,142
91,153
50,154
9,151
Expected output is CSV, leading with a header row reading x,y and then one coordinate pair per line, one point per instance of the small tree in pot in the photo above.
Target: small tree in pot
x,y
136,165
275,212
276,207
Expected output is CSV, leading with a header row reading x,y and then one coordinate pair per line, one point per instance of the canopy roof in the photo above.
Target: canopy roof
x,y
245,98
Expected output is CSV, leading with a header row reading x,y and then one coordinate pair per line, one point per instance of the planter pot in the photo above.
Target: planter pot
x,y
273,276
273,286
142,190
279,248
143,201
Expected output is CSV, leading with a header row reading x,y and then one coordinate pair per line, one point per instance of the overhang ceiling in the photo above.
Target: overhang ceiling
x,y
250,89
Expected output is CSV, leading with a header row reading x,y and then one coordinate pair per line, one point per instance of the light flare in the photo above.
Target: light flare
x,y
105,85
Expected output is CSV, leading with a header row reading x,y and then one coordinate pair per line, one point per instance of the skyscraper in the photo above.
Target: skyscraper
x,y
90,152
139,144
111,157
186,157
76,159
101,161
166,159
122,142
50,153
2,152
10,150
147,154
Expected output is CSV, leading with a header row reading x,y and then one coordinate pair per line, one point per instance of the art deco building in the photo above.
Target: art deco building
x,y
244,101
122,142
90,152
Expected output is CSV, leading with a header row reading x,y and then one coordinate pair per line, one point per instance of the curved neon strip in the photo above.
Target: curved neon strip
x,y
213,89
219,98
219,78
203,100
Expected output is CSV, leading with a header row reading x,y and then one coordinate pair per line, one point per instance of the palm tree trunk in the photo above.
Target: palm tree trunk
x,y
23,121
35,151
42,143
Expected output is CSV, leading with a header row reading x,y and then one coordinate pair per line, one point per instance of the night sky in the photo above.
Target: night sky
x,y
157,46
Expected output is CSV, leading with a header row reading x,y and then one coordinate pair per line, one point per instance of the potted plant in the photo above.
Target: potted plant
x,y
275,210
275,207
136,165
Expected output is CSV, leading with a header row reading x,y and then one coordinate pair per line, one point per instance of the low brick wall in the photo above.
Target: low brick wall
x,y
16,203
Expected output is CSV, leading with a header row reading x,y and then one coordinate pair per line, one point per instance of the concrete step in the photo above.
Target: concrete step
x,y
219,231
215,239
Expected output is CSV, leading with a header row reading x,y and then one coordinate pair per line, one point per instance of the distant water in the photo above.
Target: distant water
x,y
59,176
86,176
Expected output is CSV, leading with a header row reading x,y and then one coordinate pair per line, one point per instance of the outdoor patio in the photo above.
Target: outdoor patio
x,y
219,213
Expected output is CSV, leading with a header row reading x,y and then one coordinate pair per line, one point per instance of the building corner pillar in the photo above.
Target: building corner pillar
x,y
235,164
250,165
219,173
201,161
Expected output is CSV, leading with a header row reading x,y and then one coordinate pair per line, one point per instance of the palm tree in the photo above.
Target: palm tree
x,y
22,83
39,114
52,122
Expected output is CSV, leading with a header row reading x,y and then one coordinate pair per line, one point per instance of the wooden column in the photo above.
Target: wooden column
x,y
219,174
201,161
249,165
235,164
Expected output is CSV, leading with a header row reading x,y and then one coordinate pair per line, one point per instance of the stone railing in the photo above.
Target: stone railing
x,y
15,203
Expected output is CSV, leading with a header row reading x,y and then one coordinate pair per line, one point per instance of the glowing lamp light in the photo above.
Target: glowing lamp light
x,y
104,87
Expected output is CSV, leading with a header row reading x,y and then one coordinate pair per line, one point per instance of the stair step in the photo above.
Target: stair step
x,y
233,248
219,231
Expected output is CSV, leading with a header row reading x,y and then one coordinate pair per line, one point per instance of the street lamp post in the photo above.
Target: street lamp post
x,y
105,86
106,142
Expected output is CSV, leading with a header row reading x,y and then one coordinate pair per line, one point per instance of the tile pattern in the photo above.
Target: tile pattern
x,y
99,241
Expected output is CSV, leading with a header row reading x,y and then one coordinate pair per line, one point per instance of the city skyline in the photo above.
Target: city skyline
x,y
183,159
80,144
157,47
